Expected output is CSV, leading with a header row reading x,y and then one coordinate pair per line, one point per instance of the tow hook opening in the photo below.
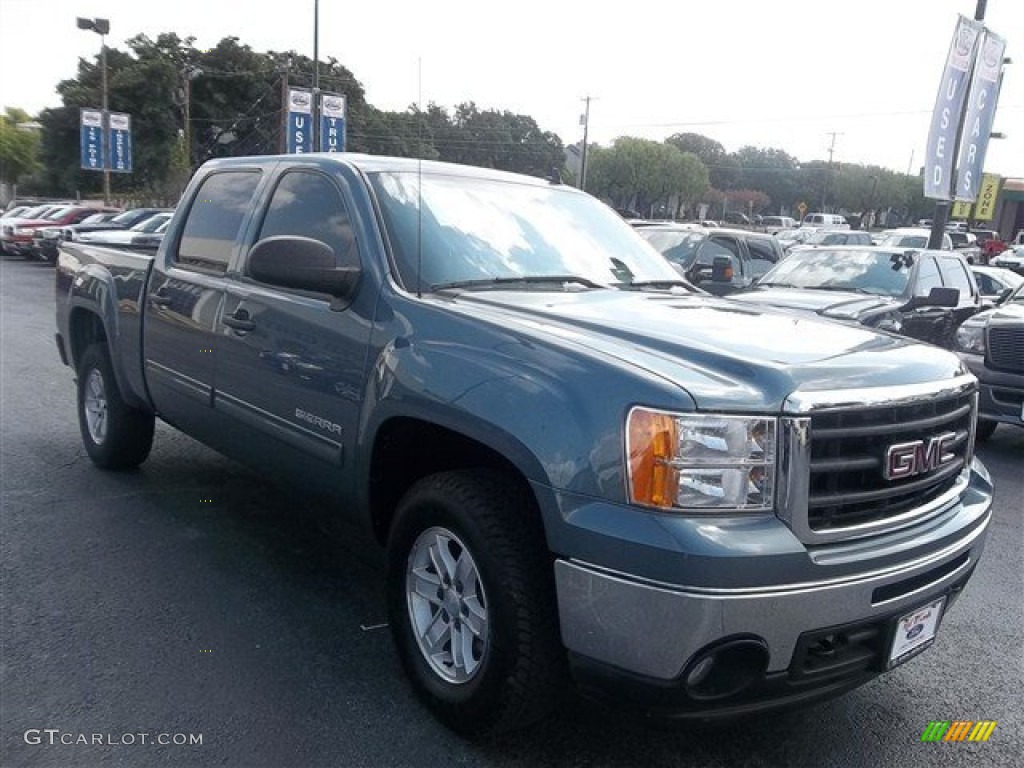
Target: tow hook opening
x,y
726,668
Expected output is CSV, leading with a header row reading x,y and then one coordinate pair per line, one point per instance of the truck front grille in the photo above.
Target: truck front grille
x,y
850,450
1006,349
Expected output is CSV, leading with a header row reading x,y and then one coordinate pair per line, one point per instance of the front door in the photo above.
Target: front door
x,y
291,364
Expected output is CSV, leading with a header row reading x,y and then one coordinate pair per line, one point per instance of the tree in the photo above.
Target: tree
x,y
723,170
772,171
646,176
19,146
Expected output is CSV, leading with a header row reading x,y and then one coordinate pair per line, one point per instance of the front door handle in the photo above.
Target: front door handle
x,y
239,321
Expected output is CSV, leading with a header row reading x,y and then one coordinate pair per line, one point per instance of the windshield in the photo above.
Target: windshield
x,y
825,238
56,214
678,247
881,273
130,218
905,241
486,229
96,218
151,224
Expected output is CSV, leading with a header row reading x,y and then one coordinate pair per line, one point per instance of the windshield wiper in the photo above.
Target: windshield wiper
x,y
843,288
659,284
775,285
497,282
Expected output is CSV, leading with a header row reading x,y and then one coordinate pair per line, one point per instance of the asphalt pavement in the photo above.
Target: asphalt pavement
x,y
191,614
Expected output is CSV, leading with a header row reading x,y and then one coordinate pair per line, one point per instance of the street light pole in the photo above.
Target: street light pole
x,y
315,110
102,28
106,120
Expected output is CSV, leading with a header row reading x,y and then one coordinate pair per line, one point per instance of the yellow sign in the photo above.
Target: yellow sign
x,y
987,195
802,207
961,210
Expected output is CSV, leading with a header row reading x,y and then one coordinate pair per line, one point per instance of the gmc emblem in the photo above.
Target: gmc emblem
x,y
908,459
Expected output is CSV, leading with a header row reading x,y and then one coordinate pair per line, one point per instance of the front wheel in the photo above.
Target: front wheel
x,y
116,436
471,602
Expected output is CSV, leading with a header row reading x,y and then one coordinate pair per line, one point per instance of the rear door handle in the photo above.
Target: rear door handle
x,y
239,321
160,298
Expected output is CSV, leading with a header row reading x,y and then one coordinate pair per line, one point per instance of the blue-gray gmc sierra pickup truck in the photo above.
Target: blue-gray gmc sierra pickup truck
x,y
581,468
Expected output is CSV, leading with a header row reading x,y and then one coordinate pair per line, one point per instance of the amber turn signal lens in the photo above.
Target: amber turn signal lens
x,y
651,442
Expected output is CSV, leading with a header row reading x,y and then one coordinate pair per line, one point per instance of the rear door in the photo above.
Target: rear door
x,y
956,274
291,364
185,293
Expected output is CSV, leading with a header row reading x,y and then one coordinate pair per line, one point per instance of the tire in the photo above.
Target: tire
x,y
513,663
116,436
985,429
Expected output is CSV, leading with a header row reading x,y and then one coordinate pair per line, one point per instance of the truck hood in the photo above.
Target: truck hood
x,y
844,305
724,354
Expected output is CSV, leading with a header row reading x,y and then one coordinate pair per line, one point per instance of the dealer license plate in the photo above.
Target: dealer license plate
x,y
915,631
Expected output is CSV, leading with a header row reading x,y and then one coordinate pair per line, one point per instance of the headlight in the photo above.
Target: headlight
x,y
698,462
971,338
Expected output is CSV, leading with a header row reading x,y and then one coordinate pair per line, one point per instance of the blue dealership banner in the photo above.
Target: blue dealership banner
x,y
332,122
300,121
981,111
949,106
120,142
91,129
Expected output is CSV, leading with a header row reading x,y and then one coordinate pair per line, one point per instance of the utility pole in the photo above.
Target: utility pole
x,y
828,174
102,28
283,143
586,128
943,207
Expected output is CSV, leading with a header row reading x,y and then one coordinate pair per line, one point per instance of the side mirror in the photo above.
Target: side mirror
x,y
302,263
939,297
721,269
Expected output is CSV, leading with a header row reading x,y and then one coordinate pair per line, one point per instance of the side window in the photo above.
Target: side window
x,y
986,286
927,278
310,205
762,256
214,219
954,276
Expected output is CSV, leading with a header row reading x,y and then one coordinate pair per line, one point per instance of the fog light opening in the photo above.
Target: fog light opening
x,y
725,669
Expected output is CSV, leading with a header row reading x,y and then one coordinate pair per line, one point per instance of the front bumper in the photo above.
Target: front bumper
x,y
644,638
1001,393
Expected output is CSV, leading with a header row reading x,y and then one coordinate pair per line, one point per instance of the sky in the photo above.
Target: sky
x,y
782,74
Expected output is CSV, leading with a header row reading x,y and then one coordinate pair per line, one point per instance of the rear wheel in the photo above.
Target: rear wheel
x,y
116,436
471,602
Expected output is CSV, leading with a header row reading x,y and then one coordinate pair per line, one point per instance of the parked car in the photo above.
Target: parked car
x,y
966,244
925,295
995,283
20,239
911,237
123,220
774,224
1012,258
738,218
578,468
825,221
10,224
719,261
788,238
126,236
992,345
46,239
827,237
990,242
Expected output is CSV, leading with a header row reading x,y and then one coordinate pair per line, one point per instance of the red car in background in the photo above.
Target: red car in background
x,y
990,242
16,237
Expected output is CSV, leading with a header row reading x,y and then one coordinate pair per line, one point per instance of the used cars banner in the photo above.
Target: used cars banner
x,y
120,142
332,122
949,107
981,111
91,122
300,121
